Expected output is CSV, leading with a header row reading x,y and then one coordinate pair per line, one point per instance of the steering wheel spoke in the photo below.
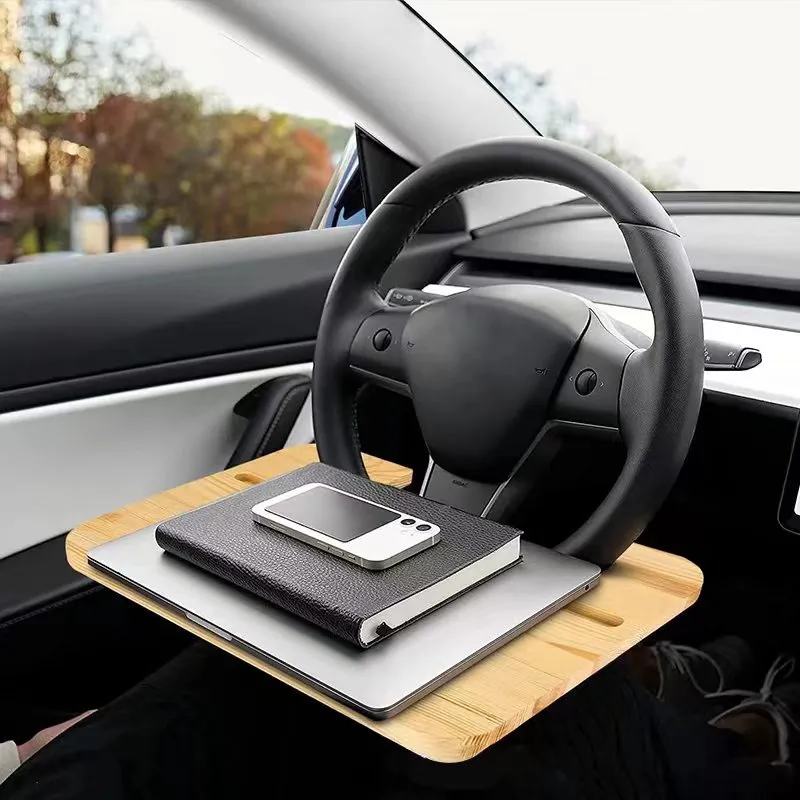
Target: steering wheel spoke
x,y
494,499
586,402
588,397
376,353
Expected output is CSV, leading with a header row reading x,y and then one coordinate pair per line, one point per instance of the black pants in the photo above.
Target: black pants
x,y
209,726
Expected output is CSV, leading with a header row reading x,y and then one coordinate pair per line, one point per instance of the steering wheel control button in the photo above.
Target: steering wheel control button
x,y
407,521
382,339
423,527
376,350
590,393
586,382
409,297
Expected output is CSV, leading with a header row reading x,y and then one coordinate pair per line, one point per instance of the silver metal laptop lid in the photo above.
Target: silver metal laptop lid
x,y
392,674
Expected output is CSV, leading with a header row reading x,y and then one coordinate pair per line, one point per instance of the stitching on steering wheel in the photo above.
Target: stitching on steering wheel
x,y
354,415
413,232
475,185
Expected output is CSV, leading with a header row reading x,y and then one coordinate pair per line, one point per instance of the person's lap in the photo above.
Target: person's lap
x,y
208,725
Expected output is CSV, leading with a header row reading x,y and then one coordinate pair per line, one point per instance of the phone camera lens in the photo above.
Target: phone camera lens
x,y
407,521
423,527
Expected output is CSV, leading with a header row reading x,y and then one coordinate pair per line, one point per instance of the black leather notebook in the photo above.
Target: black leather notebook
x,y
223,539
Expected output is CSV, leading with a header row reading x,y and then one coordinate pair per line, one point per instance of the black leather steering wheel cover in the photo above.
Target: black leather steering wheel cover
x,y
660,397
662,390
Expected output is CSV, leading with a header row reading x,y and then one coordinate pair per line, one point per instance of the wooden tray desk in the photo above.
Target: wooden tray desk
x,y
640,593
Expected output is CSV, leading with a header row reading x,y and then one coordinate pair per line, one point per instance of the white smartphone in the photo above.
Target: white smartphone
x,y
365,533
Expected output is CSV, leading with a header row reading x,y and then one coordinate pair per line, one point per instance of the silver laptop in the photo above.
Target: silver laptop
x,y
389,676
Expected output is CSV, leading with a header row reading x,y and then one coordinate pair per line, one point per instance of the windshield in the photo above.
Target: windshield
x,y
688,95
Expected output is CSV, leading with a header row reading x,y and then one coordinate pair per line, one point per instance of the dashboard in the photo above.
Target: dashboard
x,y
775,380
744,252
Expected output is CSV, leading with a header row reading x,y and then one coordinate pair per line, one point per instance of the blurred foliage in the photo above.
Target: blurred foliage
x,y
248,176
103,121
534,95
335,136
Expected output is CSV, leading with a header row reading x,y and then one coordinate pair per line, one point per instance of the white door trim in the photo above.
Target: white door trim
x,y
64,463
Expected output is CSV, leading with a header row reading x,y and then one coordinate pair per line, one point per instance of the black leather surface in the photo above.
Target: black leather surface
x,y
325,590
662,388
478,415
353,294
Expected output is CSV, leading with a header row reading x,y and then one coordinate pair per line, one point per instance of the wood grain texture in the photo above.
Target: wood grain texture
x,y
640,593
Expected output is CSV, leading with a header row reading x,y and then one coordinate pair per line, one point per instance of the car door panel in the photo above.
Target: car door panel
x,y
119,374
122,380
83,327
63,320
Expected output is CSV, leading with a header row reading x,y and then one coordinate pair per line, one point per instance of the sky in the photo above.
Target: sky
x,y
708,85
711,83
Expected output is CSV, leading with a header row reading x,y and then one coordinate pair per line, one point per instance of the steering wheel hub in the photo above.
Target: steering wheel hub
x,y
483,367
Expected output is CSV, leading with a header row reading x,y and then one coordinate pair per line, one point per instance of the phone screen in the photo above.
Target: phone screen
x,y
332,513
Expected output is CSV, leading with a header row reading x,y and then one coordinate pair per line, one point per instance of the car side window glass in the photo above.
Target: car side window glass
x,y
127,125
349,208
356,218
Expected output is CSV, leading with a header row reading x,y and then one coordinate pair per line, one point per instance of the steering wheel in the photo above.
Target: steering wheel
x,y
493,372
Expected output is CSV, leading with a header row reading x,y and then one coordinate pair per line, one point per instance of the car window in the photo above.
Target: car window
x,y
349,207
684,96
126,125
342,204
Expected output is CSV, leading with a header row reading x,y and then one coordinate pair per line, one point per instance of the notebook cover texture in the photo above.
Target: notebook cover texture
x,y
223,539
